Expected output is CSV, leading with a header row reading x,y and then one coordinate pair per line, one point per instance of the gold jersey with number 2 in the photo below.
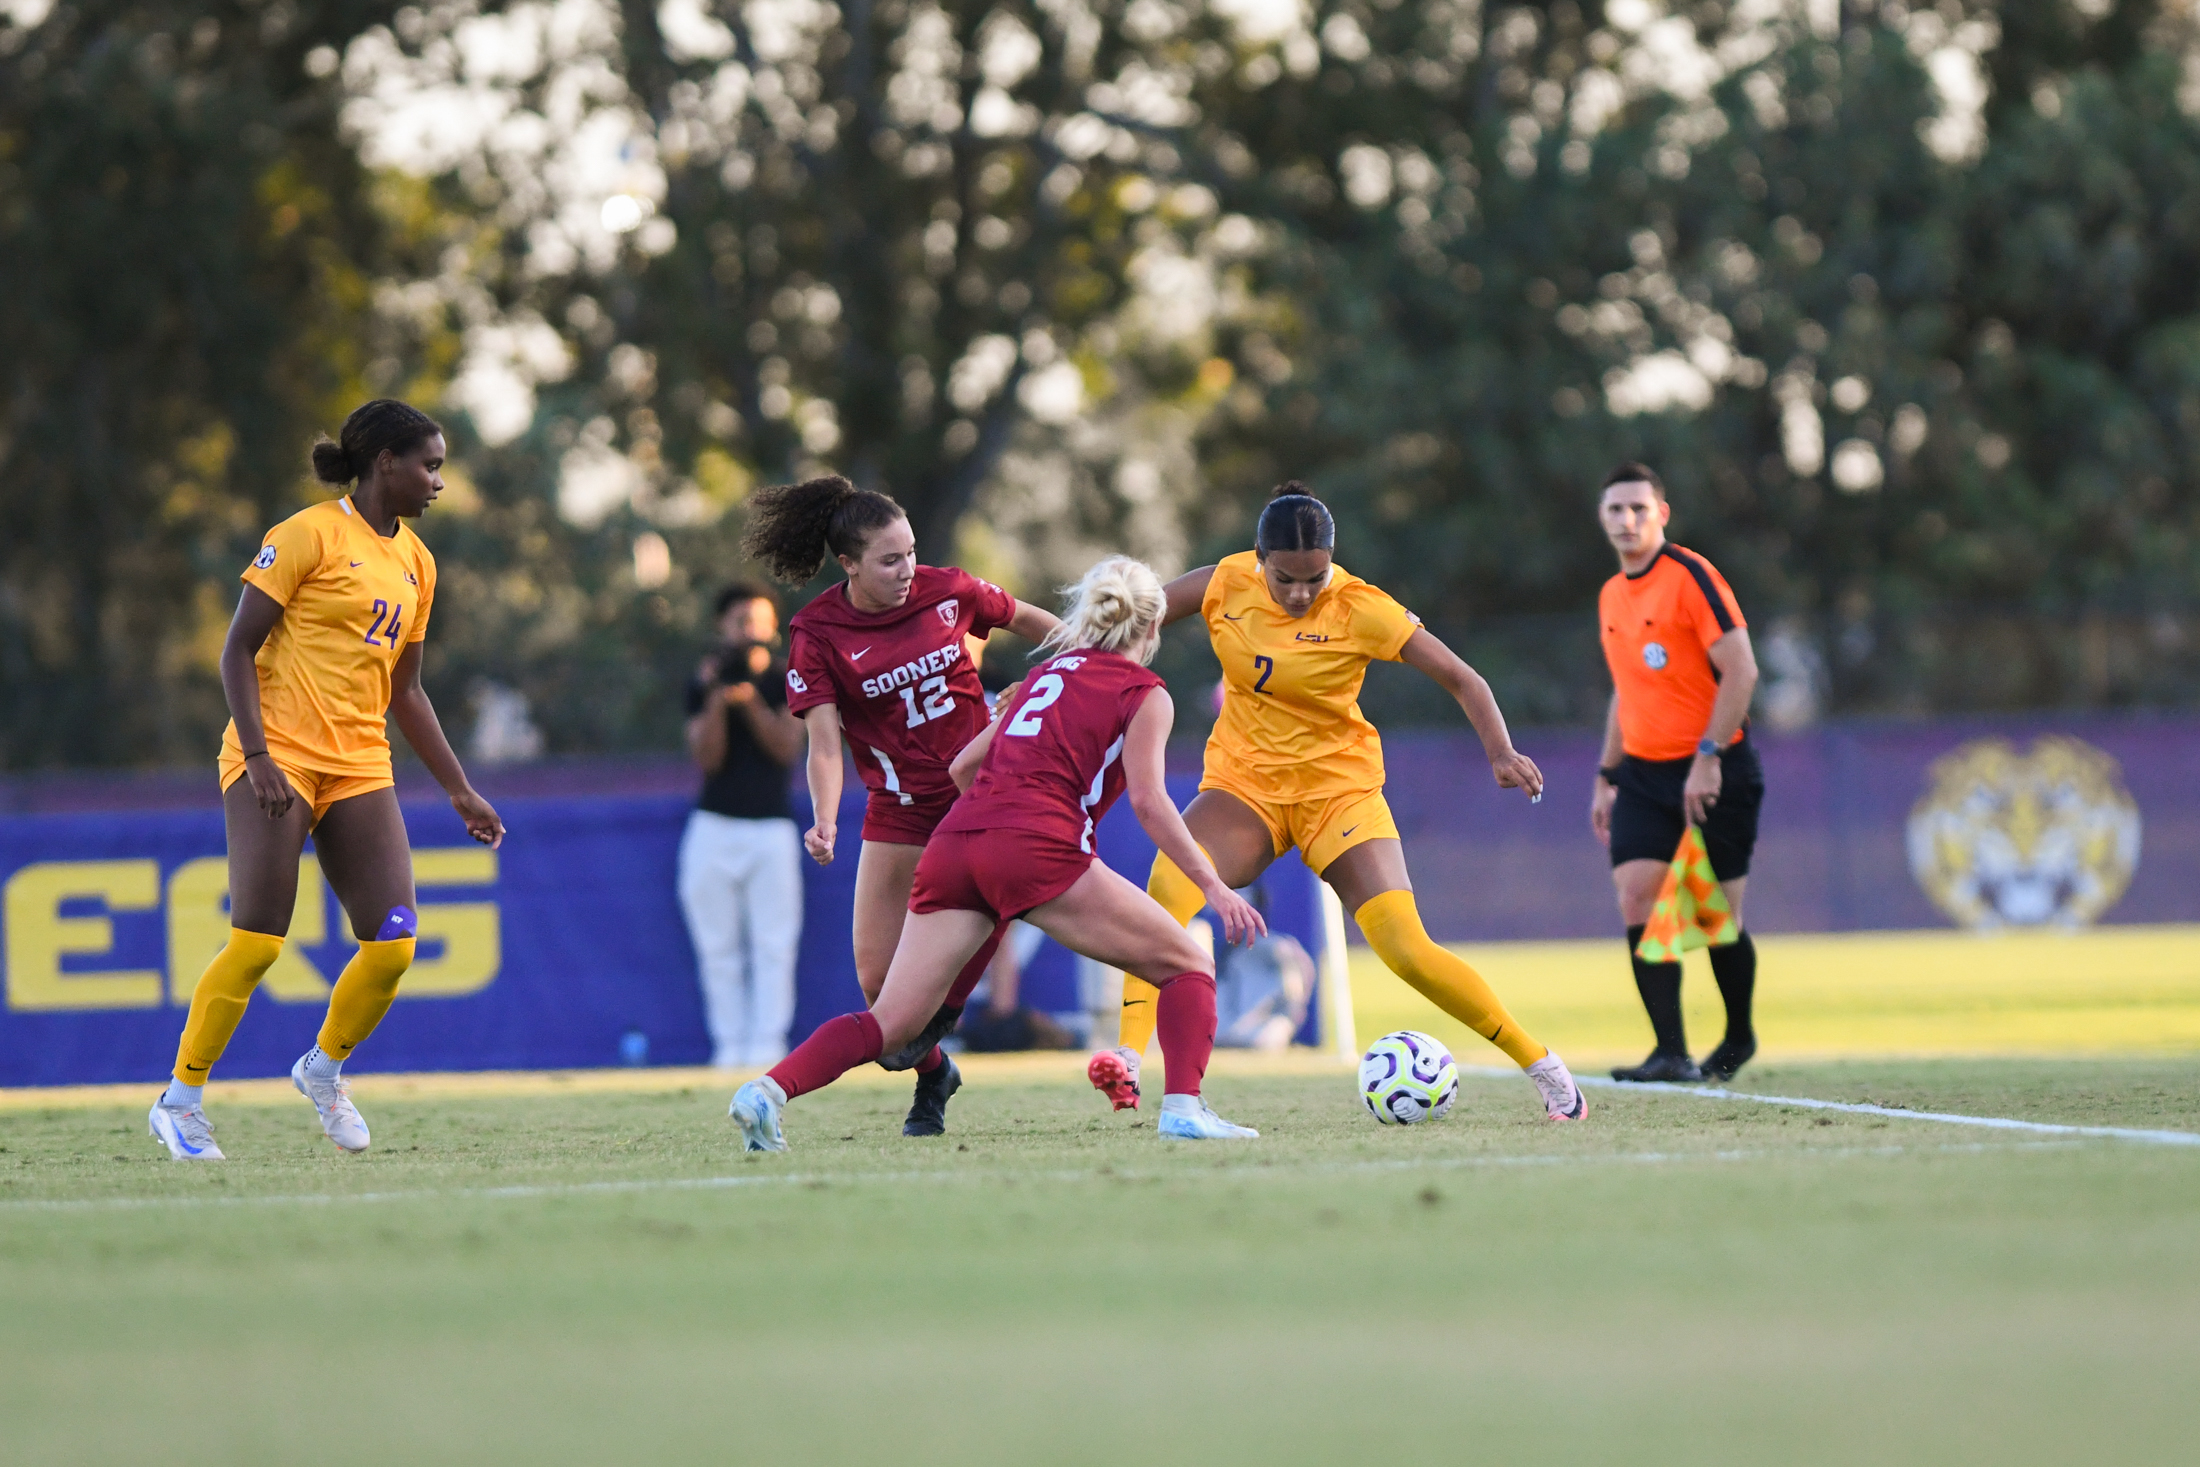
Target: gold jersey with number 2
x,y
1291,729
352,601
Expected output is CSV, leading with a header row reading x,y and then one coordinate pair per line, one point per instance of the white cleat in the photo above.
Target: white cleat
x,y
1187,1118
185,1133
1562,1098
331,1099
756,1107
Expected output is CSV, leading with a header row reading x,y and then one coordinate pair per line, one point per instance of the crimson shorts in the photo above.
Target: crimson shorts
x,y
1002,872
888,820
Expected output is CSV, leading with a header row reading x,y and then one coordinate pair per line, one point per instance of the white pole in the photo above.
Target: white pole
x,y
1337,977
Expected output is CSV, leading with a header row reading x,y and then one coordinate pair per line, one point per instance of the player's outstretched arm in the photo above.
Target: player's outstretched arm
x,y
825,772
416,719
257,615
1145,744
1426,653
1033,623
1185,593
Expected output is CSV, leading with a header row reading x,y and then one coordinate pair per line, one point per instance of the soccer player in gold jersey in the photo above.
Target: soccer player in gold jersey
x,y
1294,763
325,645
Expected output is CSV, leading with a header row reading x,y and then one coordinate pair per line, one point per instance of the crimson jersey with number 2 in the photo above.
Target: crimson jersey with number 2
x,y
1056,764
908,694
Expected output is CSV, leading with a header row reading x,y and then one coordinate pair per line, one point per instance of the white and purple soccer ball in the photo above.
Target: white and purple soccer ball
x,y
1407,1076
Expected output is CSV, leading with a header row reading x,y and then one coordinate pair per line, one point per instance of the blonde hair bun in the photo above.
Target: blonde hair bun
x,y
1113,607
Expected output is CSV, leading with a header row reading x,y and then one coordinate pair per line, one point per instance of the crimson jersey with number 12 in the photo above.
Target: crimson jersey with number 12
x,y
908,694
1056,764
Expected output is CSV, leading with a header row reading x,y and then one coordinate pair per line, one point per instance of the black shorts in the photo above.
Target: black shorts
x,y
1647,820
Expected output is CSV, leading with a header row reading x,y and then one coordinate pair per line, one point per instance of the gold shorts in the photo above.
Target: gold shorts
x,y
1321,829
317,787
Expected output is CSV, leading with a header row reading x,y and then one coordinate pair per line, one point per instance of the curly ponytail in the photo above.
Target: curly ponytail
x,y
372,427
792,526
1114,607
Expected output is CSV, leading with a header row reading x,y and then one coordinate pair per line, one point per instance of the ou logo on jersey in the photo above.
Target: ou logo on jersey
x,y
947,610
1654,656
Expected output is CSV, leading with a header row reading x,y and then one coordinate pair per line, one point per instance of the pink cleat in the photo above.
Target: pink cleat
x,y
1114,1073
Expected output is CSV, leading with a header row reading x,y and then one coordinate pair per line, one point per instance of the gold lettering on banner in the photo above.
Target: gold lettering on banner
x,y
39,937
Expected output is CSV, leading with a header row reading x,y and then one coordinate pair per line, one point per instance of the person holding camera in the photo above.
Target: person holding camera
x,y
740,858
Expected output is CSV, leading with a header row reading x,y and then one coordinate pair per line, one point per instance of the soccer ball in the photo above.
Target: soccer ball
x,y
1408,1076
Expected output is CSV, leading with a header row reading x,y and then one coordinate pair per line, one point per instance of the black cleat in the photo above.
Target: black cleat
x,y
1672,1068
1722,1063
928,1113
943,1024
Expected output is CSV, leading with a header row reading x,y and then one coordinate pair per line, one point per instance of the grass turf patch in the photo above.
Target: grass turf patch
x,y
1735,1281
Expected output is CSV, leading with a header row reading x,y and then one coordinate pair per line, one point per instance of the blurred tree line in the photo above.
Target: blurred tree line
x,y
1900,299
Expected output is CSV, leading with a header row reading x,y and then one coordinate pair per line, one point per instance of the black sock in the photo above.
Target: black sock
x,y
1660,987
1735,966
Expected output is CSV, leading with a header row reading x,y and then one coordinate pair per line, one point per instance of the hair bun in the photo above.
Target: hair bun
x,y
331,465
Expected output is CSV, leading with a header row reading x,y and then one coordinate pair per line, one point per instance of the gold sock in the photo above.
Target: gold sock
x,y
1393,927
217,1004
363,995
1181,900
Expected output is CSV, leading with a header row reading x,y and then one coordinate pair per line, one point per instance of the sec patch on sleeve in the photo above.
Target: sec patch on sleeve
x,y
265,558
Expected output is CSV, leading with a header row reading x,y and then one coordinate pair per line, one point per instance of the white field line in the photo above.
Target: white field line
x,y
1859,1108
1095,1174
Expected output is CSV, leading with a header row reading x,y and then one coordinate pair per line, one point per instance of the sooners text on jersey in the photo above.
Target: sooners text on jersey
x,y
908,693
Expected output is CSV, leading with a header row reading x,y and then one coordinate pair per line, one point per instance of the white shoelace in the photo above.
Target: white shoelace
x,y
194,1127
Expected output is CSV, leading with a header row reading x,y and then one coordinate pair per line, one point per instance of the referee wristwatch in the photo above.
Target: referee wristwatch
x,y
1707,748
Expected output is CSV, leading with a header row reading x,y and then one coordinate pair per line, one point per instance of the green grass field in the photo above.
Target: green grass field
x,y
551,1273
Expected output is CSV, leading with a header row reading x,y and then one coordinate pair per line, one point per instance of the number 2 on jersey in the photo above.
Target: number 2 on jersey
x,y
938,702
1045,691
1267,666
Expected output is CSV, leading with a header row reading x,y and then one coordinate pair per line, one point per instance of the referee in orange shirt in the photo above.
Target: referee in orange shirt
x,y
1676,753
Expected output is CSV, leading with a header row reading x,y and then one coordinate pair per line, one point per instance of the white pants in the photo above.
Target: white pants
x,y
741,891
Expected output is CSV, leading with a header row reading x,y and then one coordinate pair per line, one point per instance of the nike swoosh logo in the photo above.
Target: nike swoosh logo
x,y
1239,617
1347,831
358,563
859,656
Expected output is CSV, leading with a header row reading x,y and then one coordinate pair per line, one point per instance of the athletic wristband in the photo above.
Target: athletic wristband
x,y
254,753
1610,775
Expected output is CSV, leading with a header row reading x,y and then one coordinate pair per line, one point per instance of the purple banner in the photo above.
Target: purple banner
x,y
2013,821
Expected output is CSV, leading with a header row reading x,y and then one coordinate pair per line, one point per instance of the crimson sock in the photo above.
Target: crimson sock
x,y
836,1047
932,1060
1185,1019
973,970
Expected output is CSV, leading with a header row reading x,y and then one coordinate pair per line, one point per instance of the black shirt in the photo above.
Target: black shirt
x,y
750,784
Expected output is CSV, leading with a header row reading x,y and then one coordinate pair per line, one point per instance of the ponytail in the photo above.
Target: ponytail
x,y
792,526
1295,520
384,423
1114,607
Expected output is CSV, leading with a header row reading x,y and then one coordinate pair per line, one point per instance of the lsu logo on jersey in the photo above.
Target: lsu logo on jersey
x,y
1311,637
1654,656
265,558
947,610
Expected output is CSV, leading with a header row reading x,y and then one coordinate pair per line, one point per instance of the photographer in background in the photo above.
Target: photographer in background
x,y
740,859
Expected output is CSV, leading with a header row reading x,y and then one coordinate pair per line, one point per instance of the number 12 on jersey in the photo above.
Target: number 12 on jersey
x,y
938,702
